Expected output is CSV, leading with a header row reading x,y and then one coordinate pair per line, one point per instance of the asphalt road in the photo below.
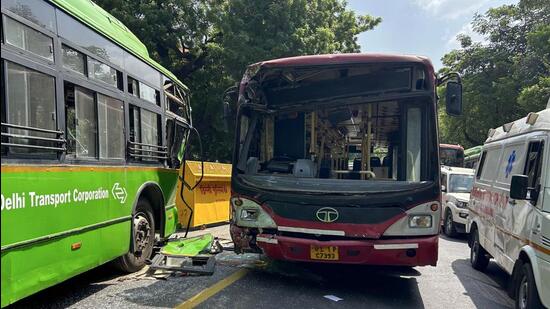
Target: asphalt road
x,y
250,281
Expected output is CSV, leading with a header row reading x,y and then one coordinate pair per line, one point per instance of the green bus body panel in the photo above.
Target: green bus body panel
x,y
472,151
101,21
36,234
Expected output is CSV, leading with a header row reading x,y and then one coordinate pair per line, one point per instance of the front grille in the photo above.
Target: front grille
x,y
319,237
545,241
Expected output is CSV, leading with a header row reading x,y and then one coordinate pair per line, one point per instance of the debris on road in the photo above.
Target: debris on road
x,y
194,255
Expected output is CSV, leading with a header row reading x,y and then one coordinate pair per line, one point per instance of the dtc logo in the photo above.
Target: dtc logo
x,y
119,193
510,164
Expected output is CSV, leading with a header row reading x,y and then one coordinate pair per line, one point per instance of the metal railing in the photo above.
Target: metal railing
x,y
58,143
147,151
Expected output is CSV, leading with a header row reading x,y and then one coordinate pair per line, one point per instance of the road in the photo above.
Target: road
x,y
251,281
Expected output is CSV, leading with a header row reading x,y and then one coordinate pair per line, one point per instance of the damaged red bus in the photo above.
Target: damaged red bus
x,y
336,159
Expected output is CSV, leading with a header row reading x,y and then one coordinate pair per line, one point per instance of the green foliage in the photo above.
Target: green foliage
x,y
505,77
208,43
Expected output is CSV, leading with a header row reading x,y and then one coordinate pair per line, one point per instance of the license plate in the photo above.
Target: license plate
x,y
327,253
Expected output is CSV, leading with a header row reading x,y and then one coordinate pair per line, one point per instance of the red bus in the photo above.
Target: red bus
x,y
451,155
298,194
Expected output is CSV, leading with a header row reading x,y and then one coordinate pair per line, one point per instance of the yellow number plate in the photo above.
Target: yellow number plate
x,y
329,253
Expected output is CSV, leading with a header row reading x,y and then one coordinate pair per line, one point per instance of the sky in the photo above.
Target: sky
x,y
422,27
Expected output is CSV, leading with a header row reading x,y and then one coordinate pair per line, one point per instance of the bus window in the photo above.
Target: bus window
x,y
30,102
37,11
73,60
145,133
102,72
28,39
81,122
111,127
149,128
143,91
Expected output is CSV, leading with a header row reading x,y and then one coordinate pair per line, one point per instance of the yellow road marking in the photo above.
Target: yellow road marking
x,y
212,290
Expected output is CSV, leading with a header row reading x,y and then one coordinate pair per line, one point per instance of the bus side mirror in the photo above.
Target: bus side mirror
x,y
518,187
229,101
453,98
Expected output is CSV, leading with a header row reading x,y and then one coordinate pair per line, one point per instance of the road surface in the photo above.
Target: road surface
x,y
251,281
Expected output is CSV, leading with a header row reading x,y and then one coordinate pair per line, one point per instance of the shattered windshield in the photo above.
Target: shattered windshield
x,y
374,141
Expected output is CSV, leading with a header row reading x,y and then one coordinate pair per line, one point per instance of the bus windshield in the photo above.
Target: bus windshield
x,y
335,148
451,155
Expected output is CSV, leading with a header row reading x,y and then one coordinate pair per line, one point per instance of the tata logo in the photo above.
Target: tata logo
x,y
327,214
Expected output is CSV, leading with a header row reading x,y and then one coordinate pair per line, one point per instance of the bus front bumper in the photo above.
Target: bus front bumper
x,y
418,251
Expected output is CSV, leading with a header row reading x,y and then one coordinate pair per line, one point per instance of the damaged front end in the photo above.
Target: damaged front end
x,y
248,220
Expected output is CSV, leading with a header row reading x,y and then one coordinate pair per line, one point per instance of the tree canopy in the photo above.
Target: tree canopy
x,y
504,77
208,43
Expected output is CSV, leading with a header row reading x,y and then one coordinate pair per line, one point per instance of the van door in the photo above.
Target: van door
x,y
508,212
535,222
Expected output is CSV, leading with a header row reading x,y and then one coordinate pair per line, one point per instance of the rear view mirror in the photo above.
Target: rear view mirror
x,y
453,98
518,187
443,189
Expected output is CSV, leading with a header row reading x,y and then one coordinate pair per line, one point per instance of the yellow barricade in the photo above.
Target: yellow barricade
x,y
210,199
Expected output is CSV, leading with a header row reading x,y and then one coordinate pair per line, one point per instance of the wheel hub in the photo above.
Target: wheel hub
x,y
142,233
522,295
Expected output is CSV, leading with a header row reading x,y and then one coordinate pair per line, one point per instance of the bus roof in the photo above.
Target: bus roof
x,y
533,122
351,58
106,24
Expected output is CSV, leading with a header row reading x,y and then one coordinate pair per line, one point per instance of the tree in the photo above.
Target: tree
x,y
209,43
503,78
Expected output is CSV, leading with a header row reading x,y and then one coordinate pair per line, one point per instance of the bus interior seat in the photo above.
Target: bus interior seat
x,y
386,161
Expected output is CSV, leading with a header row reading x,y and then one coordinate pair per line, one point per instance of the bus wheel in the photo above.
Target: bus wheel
x,y
143,238
448,225
478,255
527,295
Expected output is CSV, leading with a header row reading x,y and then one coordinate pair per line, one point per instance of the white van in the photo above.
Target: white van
x,y
510,207
456,184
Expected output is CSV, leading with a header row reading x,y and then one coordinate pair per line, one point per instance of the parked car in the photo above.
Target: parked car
x,y
510,207
456,184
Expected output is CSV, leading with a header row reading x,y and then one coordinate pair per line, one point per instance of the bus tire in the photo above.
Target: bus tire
x,y
527,295
448,224
143,238
478,256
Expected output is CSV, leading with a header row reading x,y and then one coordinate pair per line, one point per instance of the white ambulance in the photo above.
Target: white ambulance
x,y
509,207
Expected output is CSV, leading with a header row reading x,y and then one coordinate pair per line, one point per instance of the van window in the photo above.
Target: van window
x,y
533,163
491,168
481,164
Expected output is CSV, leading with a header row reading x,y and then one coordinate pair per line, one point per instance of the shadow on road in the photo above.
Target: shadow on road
x,y
486,289
460,238
71,291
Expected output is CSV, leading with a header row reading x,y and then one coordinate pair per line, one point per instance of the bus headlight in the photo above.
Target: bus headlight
x,y
420,221
460,204
248,213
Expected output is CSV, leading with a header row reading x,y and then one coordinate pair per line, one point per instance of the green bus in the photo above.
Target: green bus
x,y
92,137
471,155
